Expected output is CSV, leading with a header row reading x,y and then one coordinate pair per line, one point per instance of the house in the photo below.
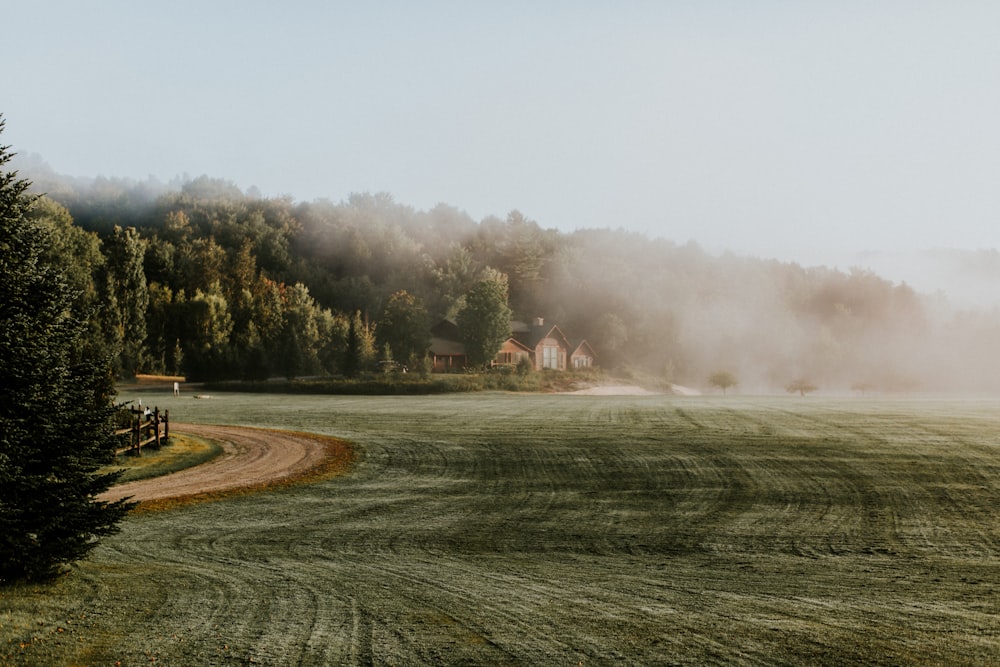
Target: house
x,y
446,350
549,346
513,352
582,356
543,345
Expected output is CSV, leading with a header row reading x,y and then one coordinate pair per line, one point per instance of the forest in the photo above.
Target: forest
x,y
202,279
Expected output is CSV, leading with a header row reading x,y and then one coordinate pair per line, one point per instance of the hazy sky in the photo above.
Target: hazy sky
x,y
769,128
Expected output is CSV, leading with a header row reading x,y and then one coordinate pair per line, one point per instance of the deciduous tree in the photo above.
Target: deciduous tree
x,y
127,298
485,319
800,387
723,380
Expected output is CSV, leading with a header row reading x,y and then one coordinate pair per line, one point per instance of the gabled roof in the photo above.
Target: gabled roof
x,y
442,347
583,347
447,340
519,344
446,330
536,333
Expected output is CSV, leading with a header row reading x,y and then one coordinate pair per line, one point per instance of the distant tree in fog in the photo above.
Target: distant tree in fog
x,y
800,387
611,334
862,387
723,380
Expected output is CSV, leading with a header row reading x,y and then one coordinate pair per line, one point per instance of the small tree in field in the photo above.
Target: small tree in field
x,y
800,387
723,380
862,387
56,405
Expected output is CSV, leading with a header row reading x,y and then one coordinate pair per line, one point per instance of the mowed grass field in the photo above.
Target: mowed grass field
x,y
504,529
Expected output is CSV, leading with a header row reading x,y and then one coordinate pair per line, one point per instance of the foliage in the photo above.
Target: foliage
x,y
126,298
485,320
78,253
359,353
800,387
723,380
650,305
405,327
56,406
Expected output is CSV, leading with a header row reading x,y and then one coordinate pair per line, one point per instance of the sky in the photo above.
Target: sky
x,y
786,129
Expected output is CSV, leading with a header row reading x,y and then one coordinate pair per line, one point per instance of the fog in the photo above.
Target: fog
x,y
655,310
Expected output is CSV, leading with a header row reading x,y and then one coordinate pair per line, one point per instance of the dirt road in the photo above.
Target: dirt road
x,y
251,458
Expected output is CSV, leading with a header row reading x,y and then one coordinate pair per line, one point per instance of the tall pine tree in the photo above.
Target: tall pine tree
x,y
56,404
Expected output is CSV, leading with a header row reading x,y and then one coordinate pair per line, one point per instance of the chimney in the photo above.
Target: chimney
x,y
539,321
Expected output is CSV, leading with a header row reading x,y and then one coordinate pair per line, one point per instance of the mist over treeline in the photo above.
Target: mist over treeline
x,y
203,279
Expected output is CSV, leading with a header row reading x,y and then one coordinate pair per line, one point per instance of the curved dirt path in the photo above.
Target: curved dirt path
x,y
251,458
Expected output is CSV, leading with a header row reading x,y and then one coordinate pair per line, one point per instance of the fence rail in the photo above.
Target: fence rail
x,y
148,428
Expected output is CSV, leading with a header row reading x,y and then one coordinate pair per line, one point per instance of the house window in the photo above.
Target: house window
x,y
550,357
511,358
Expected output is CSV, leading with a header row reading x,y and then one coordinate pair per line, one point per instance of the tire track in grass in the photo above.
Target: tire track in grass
x,y
863,510
609,532
929,496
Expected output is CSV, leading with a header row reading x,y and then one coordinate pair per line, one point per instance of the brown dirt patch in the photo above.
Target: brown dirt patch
x,y
252,460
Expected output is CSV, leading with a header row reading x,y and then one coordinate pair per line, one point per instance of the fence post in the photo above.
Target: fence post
x,y
156,426
137,432
166,427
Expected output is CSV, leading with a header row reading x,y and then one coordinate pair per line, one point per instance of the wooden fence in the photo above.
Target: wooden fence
x,y
149,428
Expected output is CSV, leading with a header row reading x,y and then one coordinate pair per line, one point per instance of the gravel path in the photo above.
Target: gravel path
x,y
251,458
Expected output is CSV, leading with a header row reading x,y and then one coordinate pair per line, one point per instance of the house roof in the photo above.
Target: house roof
x,y
442,347
583,347
517,326
514,341
446,330
536,333
446,338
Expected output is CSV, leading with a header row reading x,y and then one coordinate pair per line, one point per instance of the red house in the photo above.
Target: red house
x,y
447,350
549,346
543,345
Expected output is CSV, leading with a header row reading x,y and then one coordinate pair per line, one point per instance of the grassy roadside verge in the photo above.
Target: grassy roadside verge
x,y
499,379
184,451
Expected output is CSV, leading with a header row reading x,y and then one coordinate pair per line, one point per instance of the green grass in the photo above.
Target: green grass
x,y
183,451
411,384
510,529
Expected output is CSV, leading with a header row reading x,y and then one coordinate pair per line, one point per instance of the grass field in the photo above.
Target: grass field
x,y
561,530
181,452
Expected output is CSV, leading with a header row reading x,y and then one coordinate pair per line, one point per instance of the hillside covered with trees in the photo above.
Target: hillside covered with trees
x,y
206,280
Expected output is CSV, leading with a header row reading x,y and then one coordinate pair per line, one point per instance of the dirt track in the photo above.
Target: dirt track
x,y
251,458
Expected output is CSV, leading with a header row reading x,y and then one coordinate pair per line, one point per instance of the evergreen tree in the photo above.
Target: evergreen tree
x,y
351,364
56,404
404,327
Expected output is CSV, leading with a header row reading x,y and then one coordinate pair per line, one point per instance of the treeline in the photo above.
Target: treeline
x,y
215,283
